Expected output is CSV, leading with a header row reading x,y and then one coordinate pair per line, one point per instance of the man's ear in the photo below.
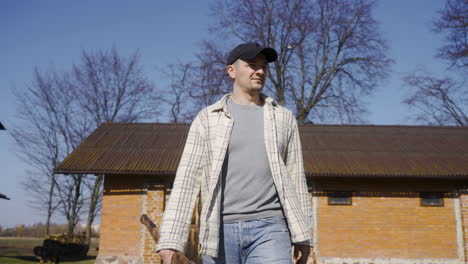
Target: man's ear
x,y
231,71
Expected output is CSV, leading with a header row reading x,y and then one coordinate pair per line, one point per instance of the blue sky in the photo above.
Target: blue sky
x,y
52,34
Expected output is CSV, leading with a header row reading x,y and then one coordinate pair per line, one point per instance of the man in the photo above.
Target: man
x,y
243,154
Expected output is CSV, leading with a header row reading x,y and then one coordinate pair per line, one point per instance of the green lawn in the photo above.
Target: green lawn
x,y
16,250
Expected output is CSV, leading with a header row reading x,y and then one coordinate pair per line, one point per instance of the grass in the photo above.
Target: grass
x,y
26,260
19,250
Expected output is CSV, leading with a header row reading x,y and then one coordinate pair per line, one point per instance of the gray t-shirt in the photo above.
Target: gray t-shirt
x,y
248,189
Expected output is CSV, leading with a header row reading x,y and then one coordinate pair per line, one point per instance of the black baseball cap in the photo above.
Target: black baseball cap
x,y
250,50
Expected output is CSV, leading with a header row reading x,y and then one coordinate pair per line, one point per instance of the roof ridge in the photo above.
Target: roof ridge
x,y
374,125
304,125
144,123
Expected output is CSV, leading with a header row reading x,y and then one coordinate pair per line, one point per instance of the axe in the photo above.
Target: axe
x,y
177,257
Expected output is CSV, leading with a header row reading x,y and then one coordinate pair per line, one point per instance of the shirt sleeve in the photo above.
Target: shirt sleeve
x,y
176,220
295,167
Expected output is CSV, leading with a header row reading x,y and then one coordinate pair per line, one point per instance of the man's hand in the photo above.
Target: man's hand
x,y
304,250
166,255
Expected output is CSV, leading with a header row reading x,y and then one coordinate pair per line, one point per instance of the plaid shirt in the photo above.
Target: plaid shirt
x,y
200,169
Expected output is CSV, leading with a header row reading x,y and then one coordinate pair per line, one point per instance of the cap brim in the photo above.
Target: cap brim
x,y
270,54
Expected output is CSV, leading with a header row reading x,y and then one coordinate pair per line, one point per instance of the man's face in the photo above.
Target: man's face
x,y
249,75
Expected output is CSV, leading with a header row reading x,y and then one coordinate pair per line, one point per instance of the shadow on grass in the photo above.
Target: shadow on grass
x,y
25,258
78,259
35,259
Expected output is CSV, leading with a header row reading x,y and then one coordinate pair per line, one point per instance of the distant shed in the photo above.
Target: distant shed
x,y
380,194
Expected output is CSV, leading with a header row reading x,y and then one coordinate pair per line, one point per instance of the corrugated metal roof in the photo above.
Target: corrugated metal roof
x,y
128,148
329,150
385,150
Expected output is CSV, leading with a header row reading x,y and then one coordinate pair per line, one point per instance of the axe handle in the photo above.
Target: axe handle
x,y
177,257
152,228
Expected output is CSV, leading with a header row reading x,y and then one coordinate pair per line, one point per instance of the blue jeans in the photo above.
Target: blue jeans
x,y
260,241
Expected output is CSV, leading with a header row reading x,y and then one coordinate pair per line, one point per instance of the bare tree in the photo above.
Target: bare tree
x,y
444,100
453,22
71,196
438,101
177,97
209,77
39,139
113,88
110,88
94,204
331,54
195,84
60,109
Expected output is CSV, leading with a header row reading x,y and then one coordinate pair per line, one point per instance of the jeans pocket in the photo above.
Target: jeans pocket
x,y
274,220
275,224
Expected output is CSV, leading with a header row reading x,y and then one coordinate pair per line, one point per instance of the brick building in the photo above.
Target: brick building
x,y
380,194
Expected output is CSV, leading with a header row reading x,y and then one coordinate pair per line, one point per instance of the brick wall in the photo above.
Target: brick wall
x,y
154,203
120,233
123,239
385,220
464,205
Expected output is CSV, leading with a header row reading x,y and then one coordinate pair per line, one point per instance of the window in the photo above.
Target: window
x,y
432,199
339,198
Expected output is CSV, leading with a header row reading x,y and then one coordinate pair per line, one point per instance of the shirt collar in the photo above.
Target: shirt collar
x,y
221,105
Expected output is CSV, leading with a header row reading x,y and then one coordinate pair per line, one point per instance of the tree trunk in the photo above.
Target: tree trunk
x,y
92,207
73,211
47,227
50,208
301,117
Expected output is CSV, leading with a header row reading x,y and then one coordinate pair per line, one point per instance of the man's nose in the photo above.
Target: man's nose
x,y
260,71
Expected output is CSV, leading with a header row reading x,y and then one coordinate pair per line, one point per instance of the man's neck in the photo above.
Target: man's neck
x,y
246,98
